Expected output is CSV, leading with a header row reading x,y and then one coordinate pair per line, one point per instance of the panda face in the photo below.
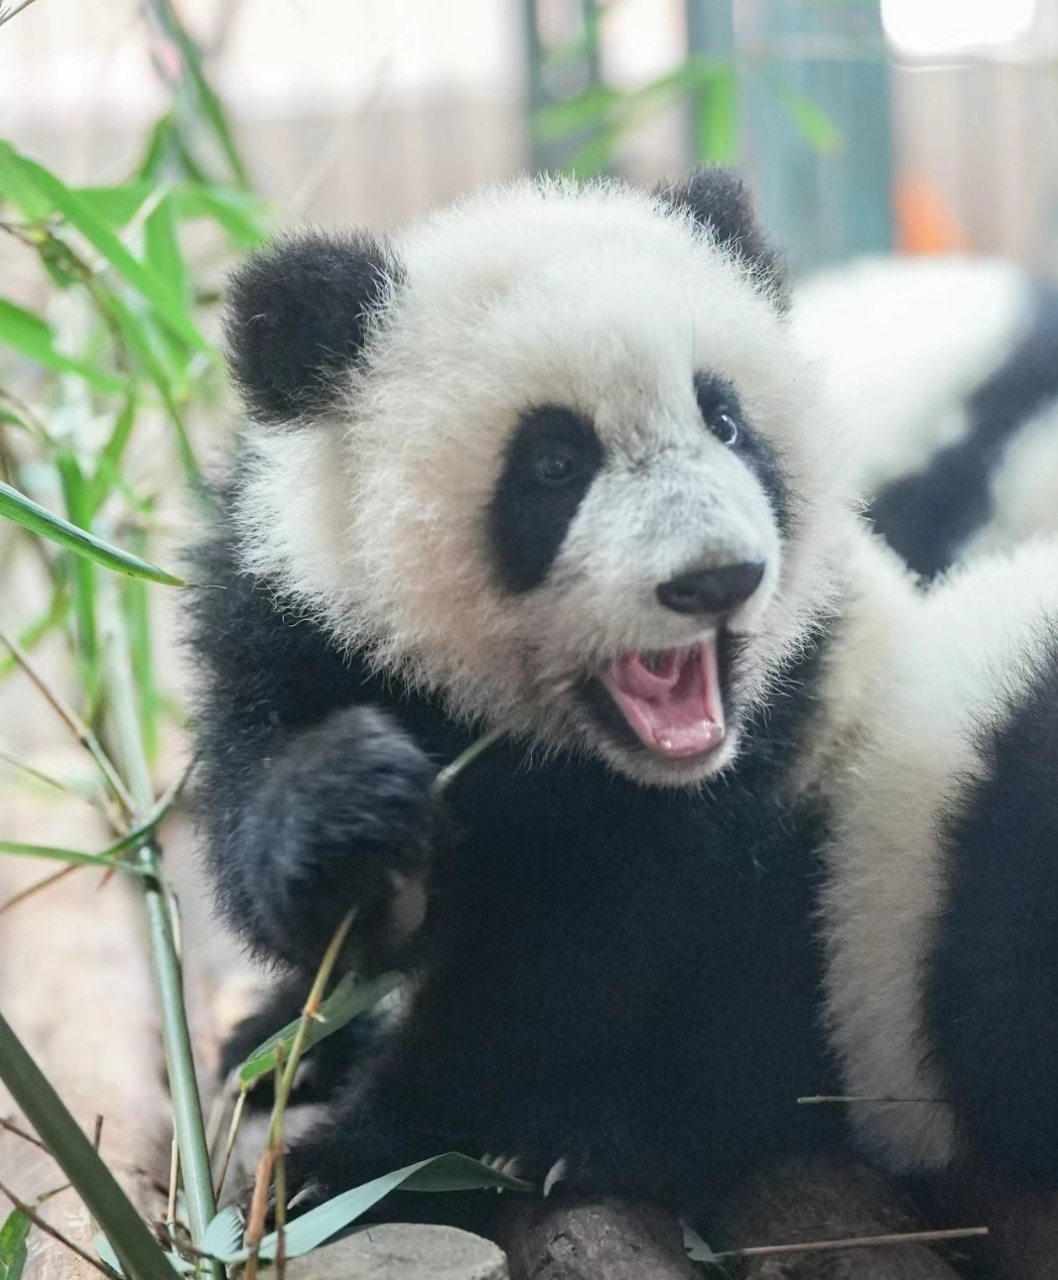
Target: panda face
x,y
574,485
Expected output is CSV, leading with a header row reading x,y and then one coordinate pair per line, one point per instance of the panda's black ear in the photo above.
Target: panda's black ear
x,y
718,199
296,318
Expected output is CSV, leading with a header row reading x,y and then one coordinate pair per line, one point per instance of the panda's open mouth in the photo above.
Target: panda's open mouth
x,y
671,700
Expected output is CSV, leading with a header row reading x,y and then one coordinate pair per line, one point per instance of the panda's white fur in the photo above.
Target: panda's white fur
x,y
356,551
944,374
904,342
585,296
924,672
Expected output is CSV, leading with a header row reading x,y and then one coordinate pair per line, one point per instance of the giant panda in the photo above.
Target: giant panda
x,y
944,373
764,820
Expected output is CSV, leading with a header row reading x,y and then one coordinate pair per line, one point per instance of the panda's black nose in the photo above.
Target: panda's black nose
x,y
713,590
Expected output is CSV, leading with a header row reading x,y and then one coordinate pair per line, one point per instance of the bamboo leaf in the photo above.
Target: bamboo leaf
x,y
587,109
163,248
717,123
449,1172
79,510
223,1236
79,213
209,104
348,1000
53,854
30,515
141,1257
31,336
106,1253
240,214
13,1236
15,187
136,335
115,205
107,474
807,117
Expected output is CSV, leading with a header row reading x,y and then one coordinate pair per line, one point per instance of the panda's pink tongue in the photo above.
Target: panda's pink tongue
x,y
674,703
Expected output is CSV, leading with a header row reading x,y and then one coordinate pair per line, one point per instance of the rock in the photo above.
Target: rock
x,y
402,1251
570,1237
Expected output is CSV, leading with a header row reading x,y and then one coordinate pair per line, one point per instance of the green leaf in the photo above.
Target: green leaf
x,y
115,205
135,333
13,1236
105,1251
587,109
810,120
79,214
223,1236
141,1257
73,856
717,123
154,162
449,1172
30,636
31,336
15,187
107,472
348,1000
696,1248
163,248
77,497
209,105
241,214
30,515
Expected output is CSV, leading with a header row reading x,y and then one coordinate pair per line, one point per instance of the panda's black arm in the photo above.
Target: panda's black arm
x,y
313,799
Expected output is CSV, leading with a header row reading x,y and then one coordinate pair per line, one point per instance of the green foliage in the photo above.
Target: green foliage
x,y
601,118
24,511
140,1255
105,368
349,999
13,1236
448,1172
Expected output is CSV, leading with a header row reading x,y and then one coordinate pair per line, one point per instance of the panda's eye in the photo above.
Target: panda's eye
x,y
719,406
557,463
723,425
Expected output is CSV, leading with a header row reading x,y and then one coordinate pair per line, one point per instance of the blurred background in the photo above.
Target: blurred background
x,y
144,144
929,123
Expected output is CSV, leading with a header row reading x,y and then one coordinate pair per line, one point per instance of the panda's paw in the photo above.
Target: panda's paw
x,y
349,821
560,1170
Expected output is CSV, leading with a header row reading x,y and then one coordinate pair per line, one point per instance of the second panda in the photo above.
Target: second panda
x,y
765,821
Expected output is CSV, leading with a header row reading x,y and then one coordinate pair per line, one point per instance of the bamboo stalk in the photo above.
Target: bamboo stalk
x,y
176,1038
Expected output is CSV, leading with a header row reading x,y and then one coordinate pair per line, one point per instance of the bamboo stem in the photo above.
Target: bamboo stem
x,y
73,721
176,1038
853,1242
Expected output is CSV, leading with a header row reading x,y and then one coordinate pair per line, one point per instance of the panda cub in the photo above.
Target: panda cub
x,y
945,373
764,820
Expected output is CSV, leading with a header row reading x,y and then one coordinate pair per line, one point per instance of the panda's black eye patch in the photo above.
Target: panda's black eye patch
x,y
719,406
724,416
551,461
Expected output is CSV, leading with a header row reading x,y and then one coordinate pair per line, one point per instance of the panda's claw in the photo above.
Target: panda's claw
x,y
557,1173
512,1167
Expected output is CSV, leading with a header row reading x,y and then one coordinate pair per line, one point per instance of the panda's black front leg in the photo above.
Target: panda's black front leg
x,y
339,818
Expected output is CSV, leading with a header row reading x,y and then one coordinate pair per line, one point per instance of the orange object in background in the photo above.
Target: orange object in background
x,y
924,223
